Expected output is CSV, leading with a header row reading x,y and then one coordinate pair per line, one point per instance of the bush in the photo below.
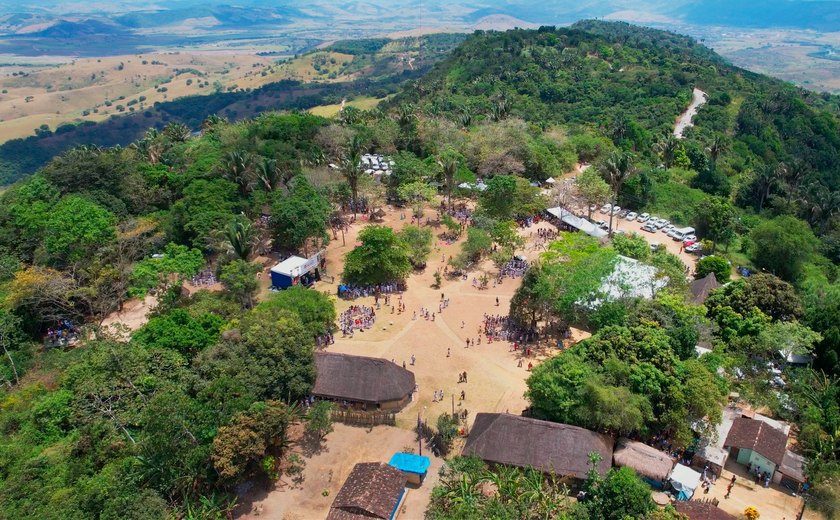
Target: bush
x,y
714,264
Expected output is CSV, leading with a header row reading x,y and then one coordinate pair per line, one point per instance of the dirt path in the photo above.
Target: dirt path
x,y
685,120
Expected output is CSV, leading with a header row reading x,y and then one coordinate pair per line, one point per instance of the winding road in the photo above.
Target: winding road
x,y
685,120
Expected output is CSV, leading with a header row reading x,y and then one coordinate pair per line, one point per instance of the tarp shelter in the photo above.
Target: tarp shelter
x,y
295,270
413,466
572,221
550,180
465,186
684,480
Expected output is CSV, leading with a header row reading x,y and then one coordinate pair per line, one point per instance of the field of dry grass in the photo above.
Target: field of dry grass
x,y
95,89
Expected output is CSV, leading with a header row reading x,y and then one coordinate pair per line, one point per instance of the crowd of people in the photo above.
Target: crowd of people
x,y
351,292
204,278
515,268
499,327
359,317
64,333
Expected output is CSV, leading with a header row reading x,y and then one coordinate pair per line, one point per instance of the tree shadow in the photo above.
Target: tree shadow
x,y
311,444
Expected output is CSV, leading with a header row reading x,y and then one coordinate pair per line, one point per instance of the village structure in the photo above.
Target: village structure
x,y
404,368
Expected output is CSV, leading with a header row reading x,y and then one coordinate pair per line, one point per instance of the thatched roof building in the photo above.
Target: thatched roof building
x,y
700,289
547,446
362,380
373,490
643,459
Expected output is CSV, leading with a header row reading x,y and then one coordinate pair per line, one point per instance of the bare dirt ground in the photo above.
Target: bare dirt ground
x,y
495,382
134,314
773,502
326,471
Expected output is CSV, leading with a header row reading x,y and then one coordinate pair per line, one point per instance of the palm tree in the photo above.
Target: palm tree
x,y
822,204
177,132
211,122
237,168
616,170
667,148
351,168
240,237
794,175
765,179
150,146
406,114
717,147
449,164
268,174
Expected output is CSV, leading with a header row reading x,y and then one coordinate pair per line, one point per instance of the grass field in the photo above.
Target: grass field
x,y
95,89
362,103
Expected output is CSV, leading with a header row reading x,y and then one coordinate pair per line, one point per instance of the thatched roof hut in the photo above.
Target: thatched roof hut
x,y
700,289
546,446
643,459
360,379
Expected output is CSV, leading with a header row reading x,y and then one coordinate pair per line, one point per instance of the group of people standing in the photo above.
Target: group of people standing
x,y
359,317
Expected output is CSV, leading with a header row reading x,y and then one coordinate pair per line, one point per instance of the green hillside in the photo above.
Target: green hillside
x,y
200,401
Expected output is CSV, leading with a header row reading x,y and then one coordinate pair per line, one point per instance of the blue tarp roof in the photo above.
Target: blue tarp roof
x,y
410,463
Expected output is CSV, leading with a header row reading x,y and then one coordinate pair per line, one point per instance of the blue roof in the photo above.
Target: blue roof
x,y
410,463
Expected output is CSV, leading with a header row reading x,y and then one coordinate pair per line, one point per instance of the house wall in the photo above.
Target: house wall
x,y
753,459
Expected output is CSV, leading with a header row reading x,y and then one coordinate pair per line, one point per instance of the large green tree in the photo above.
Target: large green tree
x,y
381,257
301,217
783,246
76,228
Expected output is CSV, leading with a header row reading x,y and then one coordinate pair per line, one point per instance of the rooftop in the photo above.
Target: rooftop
x,y
695,510
372,490
547,446
758,436
645,460
360,379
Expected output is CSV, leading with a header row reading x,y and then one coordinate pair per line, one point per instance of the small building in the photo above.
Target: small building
x,y
414,467
565,220
296,270
791,473
362,382
561,449
700,289
373,490
651,464
701,510
756,444
684,481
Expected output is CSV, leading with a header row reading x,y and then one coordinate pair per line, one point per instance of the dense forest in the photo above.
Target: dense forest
x,y
169,420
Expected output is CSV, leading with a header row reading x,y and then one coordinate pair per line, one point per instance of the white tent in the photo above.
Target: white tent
x,y
550,180
481,186
465,186
684,480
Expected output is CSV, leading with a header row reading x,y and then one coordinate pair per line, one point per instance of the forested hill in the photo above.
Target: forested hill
x,y
631,83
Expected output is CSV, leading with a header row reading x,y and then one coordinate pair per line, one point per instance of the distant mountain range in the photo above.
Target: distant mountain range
x,y
16,18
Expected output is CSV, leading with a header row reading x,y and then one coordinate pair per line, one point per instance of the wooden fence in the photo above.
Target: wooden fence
x,y
362,418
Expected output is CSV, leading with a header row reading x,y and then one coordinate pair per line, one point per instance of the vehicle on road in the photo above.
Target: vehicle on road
x,y
650,228
631,216
644,217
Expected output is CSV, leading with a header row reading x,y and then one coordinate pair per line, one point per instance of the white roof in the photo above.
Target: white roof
x,y
685,479
576,222
631,278
550,180
291,266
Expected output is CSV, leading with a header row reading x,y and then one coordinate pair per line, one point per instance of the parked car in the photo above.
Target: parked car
x,y
606,208
661,223
669,229
600,223
644,217
650,228
694,248
616,209
654,246
689,243
623,213
593,208
690,238
631,216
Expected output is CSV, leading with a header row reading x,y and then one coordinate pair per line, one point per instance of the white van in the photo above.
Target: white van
x,y
680,234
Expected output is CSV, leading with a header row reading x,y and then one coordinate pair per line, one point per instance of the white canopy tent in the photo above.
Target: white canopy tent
x,y
684,480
